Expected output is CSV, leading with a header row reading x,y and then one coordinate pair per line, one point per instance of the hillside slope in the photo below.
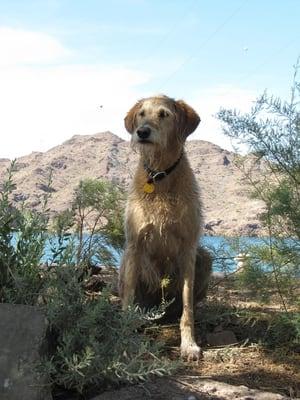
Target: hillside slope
x,y
227,206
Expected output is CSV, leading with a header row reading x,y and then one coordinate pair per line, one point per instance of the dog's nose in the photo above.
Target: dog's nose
x,y
143,132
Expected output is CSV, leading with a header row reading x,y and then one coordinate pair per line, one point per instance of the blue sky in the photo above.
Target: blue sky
x,y
61,60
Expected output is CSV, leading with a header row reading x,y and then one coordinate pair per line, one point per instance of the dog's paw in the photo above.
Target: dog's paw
x,y
191,352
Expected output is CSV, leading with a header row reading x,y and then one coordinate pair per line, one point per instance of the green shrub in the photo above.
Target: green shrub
x,y
95,342
96,221
271,132
92,342
23,233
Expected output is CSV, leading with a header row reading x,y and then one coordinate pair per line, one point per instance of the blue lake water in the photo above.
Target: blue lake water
x,y
220,247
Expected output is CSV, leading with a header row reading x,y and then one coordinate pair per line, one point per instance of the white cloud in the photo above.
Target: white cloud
x,y
209,102
41,106
24,47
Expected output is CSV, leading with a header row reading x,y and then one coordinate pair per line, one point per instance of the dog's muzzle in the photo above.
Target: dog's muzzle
x,y
143,132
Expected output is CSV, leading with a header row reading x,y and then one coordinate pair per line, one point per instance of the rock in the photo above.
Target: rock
x,y
19,166
226,161
212,224
217,275
159,389
22,340
59,163
225,391
45,188
20,197
183,388
250,229
221,338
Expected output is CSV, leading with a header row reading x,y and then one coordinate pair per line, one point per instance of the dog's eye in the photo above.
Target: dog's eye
x,y
163,114
142,113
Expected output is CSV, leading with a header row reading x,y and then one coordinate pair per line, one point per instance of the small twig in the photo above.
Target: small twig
x,y
150,328
228,346
172,347
185,384
197,376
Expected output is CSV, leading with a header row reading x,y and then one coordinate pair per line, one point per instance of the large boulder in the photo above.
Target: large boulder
x,y
22,340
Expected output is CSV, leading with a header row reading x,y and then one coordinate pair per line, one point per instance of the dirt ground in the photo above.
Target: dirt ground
x,y
234,317
239,360
249,361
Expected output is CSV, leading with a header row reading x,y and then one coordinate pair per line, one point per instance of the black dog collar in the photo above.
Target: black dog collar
x,y
156,176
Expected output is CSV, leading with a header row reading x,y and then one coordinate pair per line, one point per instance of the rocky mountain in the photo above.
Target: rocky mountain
x,y
227,206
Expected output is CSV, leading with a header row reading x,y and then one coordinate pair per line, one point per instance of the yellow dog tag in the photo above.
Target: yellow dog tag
x,y
149,187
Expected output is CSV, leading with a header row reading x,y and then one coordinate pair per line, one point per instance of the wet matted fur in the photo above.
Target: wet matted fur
x,y
163,227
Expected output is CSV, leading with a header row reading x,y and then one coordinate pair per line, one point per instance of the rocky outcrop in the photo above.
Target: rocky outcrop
x,y
227,206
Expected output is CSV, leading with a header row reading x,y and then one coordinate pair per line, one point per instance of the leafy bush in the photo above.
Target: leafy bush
x,y
91,342
271,270
95,342
23,233
271,131
96,219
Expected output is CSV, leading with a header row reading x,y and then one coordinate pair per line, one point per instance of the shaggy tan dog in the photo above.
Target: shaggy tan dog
x,y
163,217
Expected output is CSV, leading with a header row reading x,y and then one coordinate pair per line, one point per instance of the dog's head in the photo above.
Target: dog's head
x,y
160,122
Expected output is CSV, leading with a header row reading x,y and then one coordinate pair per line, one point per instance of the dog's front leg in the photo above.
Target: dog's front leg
x,y
128,278
189,348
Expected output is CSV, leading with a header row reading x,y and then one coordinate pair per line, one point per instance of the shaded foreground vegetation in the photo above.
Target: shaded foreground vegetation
x,y
92,343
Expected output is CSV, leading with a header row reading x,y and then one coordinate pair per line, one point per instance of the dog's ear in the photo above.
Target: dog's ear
x,y
129,120
188,119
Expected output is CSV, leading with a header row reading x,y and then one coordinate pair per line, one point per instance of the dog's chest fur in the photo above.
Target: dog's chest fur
x,y
157,221
163,222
